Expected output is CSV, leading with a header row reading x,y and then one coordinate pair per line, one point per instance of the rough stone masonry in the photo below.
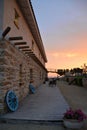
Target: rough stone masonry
x,y
15,72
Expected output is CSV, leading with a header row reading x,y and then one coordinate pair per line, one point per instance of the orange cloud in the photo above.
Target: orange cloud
x,y
70,55
64,54
59,60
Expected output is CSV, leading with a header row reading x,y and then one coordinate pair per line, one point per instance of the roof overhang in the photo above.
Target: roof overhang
x,y
28,13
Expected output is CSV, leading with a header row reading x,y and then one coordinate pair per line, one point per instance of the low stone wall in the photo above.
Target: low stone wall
x,y
84,82
69,78
15,72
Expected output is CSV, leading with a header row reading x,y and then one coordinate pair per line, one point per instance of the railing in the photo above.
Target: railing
x,y
51,70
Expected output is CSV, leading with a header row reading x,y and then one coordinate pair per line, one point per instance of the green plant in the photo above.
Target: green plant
x,y
79,80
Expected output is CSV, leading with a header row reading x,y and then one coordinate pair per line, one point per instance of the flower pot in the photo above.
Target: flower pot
x,y
73,124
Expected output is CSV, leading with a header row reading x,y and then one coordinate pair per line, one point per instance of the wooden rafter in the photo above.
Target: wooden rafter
x,y
23,47
26,50
16,38
20,43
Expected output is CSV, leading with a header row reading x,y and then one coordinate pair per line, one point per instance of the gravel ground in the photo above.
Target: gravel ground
x,y
76,96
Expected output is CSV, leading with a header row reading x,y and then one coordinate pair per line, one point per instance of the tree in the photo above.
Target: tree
x,y
61,72
76,71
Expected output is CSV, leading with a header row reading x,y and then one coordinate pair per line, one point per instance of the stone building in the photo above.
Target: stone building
x,y
22,54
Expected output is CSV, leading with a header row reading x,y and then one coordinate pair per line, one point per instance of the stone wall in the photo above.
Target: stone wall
x,y
15,72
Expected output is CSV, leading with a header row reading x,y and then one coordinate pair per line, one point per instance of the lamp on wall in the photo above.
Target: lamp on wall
x,y
16,19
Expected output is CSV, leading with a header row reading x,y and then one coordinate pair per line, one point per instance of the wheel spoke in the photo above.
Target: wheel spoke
x,y
11,101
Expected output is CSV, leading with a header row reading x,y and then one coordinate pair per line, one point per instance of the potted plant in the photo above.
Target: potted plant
x,y
74,118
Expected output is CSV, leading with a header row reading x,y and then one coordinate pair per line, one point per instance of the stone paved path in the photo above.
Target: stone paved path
x,y
47,104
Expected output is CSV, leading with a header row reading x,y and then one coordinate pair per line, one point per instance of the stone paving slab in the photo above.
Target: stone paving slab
x,y
47,104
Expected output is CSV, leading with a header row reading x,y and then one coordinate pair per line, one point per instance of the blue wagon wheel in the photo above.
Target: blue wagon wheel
x,y
11,101
32,88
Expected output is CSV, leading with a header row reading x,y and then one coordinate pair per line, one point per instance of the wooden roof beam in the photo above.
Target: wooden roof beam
x,y
23,47
26,50
16,38
20,43
6,31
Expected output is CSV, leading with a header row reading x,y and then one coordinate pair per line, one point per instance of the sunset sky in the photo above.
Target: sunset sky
x,y
63,28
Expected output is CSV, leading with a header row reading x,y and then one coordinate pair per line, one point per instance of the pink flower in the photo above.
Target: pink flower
x,y
75,114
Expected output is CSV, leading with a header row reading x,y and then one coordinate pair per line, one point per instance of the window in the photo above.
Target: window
x,y
20,74
32,45
31,74
16,19
40,75
39,55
